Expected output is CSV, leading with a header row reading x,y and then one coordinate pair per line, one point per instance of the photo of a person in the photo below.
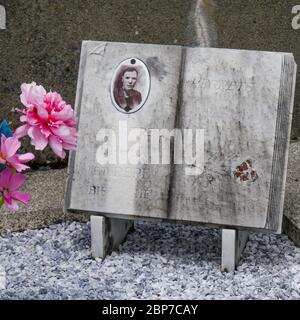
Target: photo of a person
x,y
130,85
127,97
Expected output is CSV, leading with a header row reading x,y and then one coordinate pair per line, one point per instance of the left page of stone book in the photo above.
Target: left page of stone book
x,y
126,94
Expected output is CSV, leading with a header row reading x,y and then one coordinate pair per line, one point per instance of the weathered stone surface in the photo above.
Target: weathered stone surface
x,y
122,188
241,100
46,208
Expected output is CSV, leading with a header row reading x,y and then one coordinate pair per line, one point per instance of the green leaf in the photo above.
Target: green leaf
x,y
1,201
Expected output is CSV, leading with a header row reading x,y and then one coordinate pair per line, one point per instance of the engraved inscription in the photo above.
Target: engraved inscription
x,y
222,85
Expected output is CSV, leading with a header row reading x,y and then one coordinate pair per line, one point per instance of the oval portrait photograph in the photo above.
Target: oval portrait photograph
x,y
130,85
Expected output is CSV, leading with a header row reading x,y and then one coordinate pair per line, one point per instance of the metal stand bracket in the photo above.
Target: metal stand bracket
x,y
107,234
233,244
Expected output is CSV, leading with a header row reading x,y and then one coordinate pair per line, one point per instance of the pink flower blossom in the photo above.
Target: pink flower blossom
x,y
48,120
8,154
10,182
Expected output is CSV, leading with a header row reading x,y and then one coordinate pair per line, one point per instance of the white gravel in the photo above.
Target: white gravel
x,y
157,261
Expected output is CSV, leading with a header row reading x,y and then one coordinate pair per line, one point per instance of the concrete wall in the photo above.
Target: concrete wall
x,y
43,37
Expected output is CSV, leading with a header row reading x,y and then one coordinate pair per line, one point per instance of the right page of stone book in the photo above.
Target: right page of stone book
x,y
240,103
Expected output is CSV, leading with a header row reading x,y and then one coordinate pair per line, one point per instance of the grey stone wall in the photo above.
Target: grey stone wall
x,y
43,38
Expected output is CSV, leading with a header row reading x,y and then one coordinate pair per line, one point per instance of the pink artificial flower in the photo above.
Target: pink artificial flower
x,y
10,182
8,154
48,120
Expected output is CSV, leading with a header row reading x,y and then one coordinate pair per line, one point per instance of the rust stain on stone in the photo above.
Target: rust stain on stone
x,y
245,172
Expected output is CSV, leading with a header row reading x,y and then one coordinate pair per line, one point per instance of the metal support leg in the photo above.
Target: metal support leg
x,y
107,234
233,244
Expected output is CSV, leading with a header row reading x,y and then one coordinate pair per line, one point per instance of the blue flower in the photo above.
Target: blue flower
x,y
4,129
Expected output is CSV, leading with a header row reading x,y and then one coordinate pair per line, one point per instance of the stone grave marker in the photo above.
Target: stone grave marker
x,y
185,134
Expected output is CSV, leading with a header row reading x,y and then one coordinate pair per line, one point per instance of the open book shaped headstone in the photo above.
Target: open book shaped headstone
x,y
171,132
